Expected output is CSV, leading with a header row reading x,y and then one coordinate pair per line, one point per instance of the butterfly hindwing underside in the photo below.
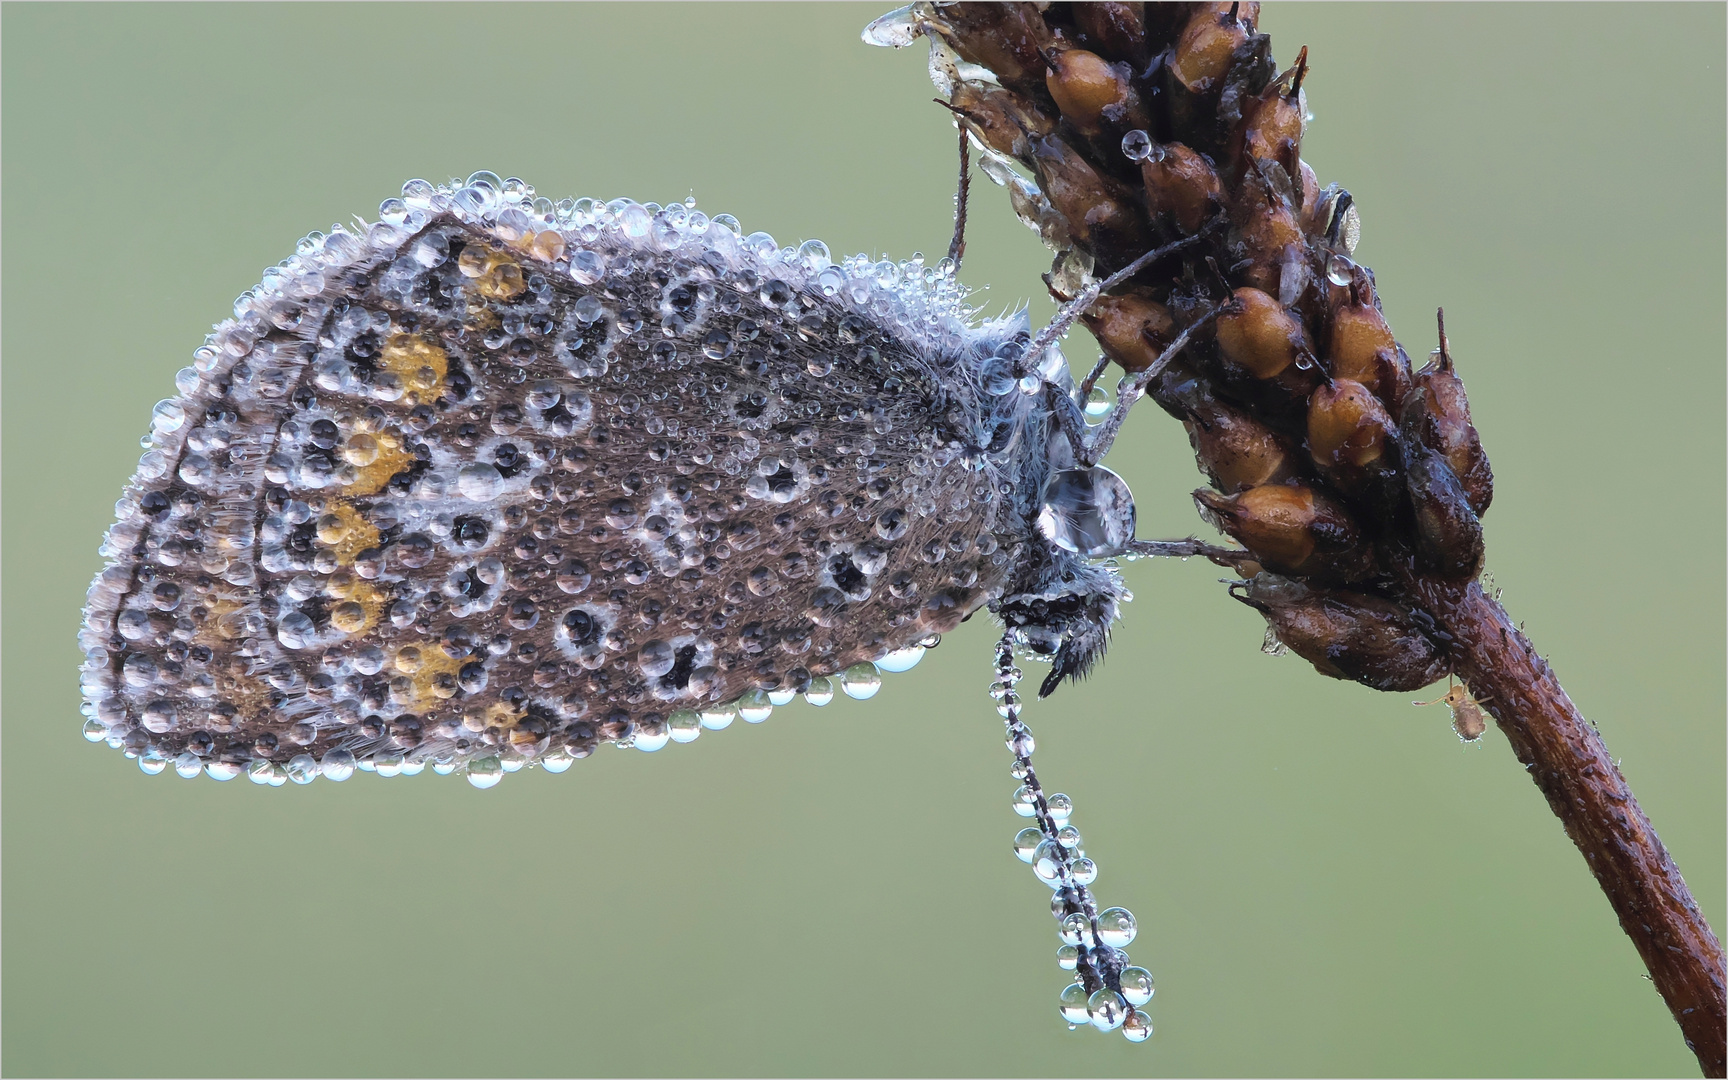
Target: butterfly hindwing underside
x,y
493,476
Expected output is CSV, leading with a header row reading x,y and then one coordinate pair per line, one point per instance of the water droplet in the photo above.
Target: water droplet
x,y
152,761
1083,870
1026,842
821,691
338,765
1075,928
261,771
1350,229
1097,402
997,376
95,730
188,765
302,768
781,696
895,30
719,717
1107,1010
1025,801
1137,985
1137,145
815,254
684,725
1049,863
1068,836
861,681
480,482
221,770
650,741
1116,927
1061,807
1068,957
1339,270
1088,511
755,707
635,221
1073,1004
1137,1027
553,761
1019,740
902,659
485,772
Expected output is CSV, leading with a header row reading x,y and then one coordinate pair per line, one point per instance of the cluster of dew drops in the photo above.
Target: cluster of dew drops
x,y
859,682
1092,940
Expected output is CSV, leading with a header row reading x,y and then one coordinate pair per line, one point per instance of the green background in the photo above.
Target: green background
x,y
1326,880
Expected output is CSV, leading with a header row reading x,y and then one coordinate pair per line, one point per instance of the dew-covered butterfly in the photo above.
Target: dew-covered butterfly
x,y
491,481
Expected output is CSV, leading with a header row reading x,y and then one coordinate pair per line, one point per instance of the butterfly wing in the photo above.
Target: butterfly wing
x,y
480,483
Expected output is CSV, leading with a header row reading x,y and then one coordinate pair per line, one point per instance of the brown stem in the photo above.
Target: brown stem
x,y
1569,763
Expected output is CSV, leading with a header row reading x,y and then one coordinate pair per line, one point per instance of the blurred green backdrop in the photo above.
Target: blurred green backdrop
x,y
1327,881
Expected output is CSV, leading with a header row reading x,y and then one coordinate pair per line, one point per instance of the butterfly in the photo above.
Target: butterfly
x,y
493,480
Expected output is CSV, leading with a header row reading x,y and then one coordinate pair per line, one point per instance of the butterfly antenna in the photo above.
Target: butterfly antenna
x,y
1106,988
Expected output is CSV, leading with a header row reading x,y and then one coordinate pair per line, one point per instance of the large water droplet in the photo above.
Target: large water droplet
x,y
895,30
719,717
1137,985
485,772
1137,1027
1061,807
755,707
1026,842
861,681
1049,862
1116,927
1088,511
902,659
1107,1010
1073,1004
479,481
684,725
821,691
338,765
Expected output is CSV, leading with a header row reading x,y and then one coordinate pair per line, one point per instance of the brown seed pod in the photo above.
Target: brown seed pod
x,y
1448,532
1181,183
1007,38
1114,30
1350,435
1202,54
1093,93
1436,412
1275,125
1360,335
1291,529
1257,333
1346,635
1003,120
1235,451
1131,328
1100,216
1266,229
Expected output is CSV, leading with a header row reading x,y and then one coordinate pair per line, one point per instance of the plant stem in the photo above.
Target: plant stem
x,y
1565,756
